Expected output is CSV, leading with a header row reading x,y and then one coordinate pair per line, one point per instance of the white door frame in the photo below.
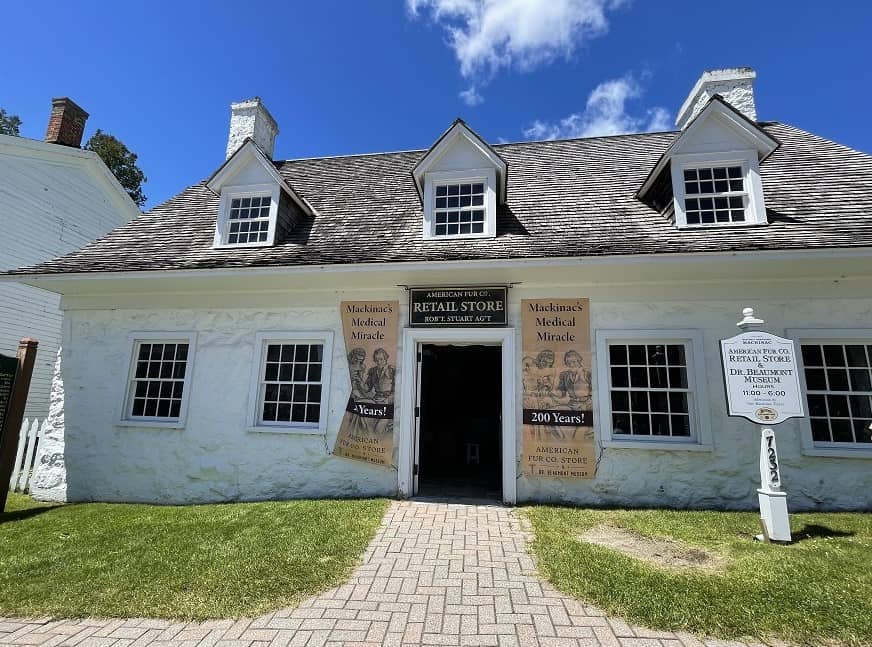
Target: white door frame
x,y
505,337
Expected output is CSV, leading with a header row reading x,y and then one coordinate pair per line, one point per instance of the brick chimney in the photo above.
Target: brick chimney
x,y
66,125
250,118
735,85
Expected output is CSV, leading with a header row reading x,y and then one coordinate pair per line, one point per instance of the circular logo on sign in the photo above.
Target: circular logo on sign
x,y
766,414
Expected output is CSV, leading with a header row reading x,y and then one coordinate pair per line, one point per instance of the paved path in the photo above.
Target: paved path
x,y
435,574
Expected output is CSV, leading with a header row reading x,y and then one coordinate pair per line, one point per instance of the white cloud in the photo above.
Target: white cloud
x,y
471,96
605,114
488,35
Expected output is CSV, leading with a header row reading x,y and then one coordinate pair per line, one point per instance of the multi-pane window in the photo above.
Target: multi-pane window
x,y
714,194
649,390
158,382
459,209
838,379
291,383
248,220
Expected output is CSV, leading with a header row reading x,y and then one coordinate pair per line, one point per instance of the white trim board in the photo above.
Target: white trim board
x,y
505,337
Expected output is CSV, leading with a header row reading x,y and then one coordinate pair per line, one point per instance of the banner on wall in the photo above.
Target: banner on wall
x,y
556,386
367,430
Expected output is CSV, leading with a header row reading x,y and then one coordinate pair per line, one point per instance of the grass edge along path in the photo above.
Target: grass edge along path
x,y
178,562
816,591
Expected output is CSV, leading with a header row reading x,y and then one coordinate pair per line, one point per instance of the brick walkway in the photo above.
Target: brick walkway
x,y
436,574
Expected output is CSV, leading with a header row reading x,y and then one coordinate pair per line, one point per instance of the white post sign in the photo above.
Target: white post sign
x,y
762,385
761,377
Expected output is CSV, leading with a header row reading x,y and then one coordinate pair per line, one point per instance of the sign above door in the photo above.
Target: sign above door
x,y
458,307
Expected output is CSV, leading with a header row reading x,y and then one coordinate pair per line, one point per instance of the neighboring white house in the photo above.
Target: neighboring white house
x,y
205,358
54,198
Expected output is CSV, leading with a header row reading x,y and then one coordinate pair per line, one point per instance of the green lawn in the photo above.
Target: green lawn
x,y
817,590
191,562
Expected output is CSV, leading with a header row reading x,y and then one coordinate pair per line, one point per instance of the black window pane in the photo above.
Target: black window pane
x,y
299,372
660,425
856,355
138,406
154,369
838,406
705,173
843,431
620,401
641,424
812,356
298,413
638,376
837,379
273,353
299,393
478,188
677,378
166,369
657,354
166,390
734,171
163,408
150,408
175,408
177,389
675,354
693,219
817,405
617,355
314,372
657,377
863,431
659,402
637,354
141,369
141,389
179,370
820,430
156,351
153,389
620,377
313,413
283,412
314,393
286,393
834,355
815,379
720,173
860,379
639,401
441,190
690,174
285,372
678,402
621,423
860,406
680,425
272,372
271,392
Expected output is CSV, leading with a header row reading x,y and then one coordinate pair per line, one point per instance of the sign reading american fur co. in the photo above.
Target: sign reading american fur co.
x,y
443,307
761,378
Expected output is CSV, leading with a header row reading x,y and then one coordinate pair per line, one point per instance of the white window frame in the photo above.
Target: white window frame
x,y
755,209
820,336
488,177
228,194
700,438
261,340
124,417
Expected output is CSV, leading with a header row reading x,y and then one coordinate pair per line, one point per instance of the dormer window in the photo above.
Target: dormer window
x,y
258,207
710,174
461,180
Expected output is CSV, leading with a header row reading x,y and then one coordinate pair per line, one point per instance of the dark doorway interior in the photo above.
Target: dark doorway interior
x,y
460,453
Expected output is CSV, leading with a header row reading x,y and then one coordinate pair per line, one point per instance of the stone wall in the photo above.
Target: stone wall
x,y
215,457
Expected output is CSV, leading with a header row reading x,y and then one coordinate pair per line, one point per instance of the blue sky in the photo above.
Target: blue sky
x,y
352,76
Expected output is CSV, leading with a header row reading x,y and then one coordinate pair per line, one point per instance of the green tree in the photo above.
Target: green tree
x,y
9,124
121,161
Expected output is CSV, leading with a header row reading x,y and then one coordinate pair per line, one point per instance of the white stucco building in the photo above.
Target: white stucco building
x,y
204,356
54,199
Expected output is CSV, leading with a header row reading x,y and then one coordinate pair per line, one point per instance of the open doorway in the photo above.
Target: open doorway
x,y
460,450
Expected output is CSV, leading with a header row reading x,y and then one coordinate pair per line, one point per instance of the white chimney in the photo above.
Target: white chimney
x,y
735,85
250,118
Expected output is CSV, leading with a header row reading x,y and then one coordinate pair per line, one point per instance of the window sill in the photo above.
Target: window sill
x,y
151,424
295,431
459,236
266,243
655,445
838,452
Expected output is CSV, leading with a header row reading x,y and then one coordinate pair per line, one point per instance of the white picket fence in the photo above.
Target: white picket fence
x,y
25,457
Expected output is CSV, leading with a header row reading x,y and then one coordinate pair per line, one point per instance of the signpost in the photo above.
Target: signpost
x,y
762,385
14,383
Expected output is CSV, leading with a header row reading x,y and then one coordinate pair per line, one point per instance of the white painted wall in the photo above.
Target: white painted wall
x,y
215,459
51,203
